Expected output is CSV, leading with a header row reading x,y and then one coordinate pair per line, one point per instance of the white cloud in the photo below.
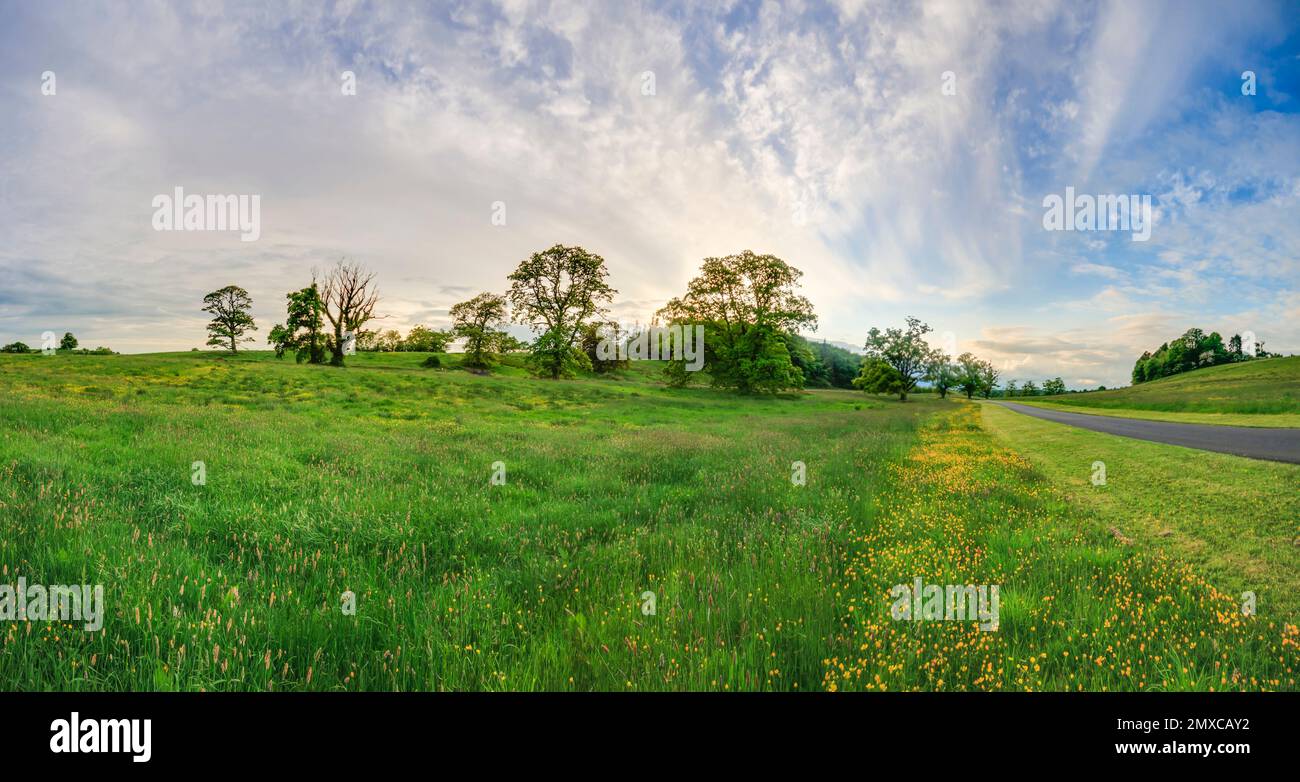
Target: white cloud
x,y
820,135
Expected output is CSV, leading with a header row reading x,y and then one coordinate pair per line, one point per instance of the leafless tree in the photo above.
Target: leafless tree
x,y
350,297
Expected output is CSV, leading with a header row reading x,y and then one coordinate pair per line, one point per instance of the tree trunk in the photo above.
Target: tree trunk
x,y
336,350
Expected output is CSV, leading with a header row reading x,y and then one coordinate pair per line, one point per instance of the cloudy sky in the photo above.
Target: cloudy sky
x,y
657,134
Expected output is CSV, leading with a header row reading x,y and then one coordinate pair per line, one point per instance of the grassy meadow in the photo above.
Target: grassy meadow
x,y
1237,520
376,479
1263,392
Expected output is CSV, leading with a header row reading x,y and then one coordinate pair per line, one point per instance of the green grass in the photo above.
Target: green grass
x,y
1079,609
1236,519
375,479
1268,421
1264,392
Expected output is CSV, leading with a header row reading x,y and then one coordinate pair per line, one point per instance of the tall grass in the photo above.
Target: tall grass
x,y
320,481
375,479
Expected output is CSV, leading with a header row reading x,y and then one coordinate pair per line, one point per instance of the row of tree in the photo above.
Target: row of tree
x,y
898,359
1193,350
1050,387
346,299
68,344
748,304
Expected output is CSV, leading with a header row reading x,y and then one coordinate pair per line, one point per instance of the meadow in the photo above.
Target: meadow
x,y
376,479
1237,520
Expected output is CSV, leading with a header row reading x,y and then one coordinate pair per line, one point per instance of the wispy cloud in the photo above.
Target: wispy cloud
x,y
820,133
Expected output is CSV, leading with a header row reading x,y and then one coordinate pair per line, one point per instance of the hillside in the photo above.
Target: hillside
x,y
1260,387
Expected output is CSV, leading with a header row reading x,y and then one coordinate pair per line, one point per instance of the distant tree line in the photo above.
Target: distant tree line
x,y
1194,350
1051,387
824,365
748,304
898,359
68,344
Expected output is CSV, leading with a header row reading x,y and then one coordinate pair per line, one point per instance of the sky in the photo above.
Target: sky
x,y
897,153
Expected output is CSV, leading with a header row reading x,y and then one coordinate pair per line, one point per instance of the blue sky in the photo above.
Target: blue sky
x,y
819,132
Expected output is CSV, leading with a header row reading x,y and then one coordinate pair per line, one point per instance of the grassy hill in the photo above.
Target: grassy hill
x,y
375,479
1264,392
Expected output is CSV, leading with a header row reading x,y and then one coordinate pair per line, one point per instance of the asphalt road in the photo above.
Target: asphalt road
x,y
1278,445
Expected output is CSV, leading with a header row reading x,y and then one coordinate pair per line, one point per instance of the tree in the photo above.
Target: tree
x,y
389,341
1212,351
968,374
826,365
749,307
941,373
509,344
1010,388
596,333
304,332
1031,389
557,291
230,319
425,340
367,340
280,339
877,376
1140,368
1053,387
479,322
16,347
349,296
903,349
1193,350
68,342
988,378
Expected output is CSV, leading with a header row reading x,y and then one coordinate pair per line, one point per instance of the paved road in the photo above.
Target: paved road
x,y
1279,445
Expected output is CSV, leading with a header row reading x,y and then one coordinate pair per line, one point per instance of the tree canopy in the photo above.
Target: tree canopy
x,y
556,292
1193,350
479,321
942,373
304,331
903,349
878,376
349,296
749,307
230,322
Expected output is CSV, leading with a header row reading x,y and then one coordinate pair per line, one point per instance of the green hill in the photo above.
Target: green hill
x,y
1268,386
